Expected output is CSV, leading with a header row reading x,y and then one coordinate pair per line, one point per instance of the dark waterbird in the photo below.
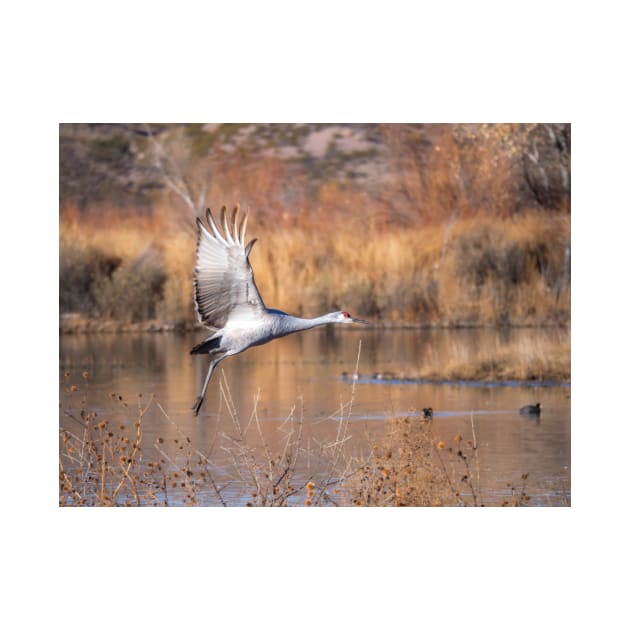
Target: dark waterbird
x,y
531,410
427,413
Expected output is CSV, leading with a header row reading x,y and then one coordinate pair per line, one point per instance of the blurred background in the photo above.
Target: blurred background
x,y
405,224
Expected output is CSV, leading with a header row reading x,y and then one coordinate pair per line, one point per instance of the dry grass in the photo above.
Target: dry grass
x,y
105,461
522,360
127,269
102,463
413,467
469,272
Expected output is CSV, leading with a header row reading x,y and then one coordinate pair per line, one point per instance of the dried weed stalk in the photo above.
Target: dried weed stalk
x,y
250,462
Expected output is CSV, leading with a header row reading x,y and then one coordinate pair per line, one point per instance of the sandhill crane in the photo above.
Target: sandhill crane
x,y
227,300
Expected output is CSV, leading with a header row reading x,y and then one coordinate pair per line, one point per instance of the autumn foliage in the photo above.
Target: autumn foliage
x,y
437,225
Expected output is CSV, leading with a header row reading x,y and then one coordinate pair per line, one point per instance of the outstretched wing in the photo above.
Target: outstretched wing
x,y
224,280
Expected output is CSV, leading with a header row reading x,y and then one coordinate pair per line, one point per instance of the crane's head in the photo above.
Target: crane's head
x,y
343,317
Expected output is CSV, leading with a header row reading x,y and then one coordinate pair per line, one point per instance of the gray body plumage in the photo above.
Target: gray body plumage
x,y
227,300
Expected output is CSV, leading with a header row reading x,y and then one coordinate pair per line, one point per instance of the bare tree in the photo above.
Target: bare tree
x,y
176,169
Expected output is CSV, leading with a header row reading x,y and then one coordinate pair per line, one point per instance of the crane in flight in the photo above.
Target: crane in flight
x,y
227,300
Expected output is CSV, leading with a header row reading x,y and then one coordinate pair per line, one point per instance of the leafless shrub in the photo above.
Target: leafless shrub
x,y
79,267
105,463
100,464
133,292
413,467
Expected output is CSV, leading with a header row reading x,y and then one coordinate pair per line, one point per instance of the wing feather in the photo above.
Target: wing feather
x,y
224,281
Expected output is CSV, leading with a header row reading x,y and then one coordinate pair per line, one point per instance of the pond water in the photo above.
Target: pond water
x,y
309,378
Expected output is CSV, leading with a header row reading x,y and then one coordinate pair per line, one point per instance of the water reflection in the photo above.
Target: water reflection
x,y
304,373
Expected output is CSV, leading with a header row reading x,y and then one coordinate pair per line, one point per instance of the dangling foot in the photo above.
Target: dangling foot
x,y
197,404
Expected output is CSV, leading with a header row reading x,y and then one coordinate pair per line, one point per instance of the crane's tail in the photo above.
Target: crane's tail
x,y
207,346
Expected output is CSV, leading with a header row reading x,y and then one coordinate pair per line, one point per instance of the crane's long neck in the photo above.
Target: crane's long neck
x,y
289,323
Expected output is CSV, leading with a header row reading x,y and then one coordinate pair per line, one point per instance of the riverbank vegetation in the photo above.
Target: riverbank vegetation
x,y
105,459
481,271
430,225
545,359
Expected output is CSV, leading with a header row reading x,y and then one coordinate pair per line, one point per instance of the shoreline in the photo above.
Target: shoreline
x,y
78,324
527,362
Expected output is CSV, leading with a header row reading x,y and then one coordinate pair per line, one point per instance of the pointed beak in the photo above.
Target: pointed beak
x,y
359,321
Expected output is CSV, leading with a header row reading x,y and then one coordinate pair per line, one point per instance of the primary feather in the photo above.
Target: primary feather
x,y
224,280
